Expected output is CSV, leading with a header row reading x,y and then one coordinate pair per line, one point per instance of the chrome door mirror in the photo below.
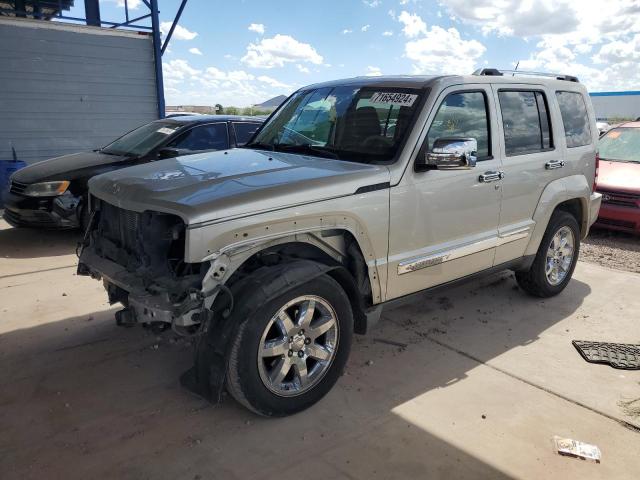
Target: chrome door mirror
x,y
452,154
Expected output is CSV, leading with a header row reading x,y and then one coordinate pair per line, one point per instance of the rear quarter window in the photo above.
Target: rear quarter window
x,y
575,118
244,131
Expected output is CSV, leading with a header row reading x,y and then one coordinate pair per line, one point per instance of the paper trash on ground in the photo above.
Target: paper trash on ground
x,y
574,448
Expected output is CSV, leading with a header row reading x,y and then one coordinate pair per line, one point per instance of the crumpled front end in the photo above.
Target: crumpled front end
x,y
140,258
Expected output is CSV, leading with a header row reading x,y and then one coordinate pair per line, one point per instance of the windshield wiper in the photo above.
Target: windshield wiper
x,y
267,146
308,148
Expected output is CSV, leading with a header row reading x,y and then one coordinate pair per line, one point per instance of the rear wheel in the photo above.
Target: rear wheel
x,y
556,258
287,355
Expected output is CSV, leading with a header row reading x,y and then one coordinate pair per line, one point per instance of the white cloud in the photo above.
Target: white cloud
x,y
413,24
365,27
195,51
186,85
443,51
346,31
132,4
586,20
257,27
566,32
180,33
392,13
373,71
278,50
302,68
372,3
387,33
272,82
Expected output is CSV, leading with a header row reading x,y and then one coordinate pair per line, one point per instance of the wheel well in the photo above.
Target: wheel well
x,y
573,207
351,272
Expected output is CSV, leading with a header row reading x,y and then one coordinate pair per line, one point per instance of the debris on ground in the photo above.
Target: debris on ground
x,y
611,249
618,355
631,408
574,448
390,342
369,363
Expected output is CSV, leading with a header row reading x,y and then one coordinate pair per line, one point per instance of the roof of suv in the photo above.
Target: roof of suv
x,y
218,118
424,81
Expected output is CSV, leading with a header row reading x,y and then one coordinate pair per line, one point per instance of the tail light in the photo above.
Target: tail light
x,y
595,176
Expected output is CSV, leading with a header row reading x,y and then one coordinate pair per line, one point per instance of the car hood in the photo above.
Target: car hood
x,y
217,185
67,167
619,176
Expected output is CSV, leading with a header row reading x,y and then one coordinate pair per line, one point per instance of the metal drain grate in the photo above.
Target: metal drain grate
x,y
618,355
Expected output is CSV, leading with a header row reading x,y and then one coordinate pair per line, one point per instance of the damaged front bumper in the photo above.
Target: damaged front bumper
x,y
140,259
147,303
42,212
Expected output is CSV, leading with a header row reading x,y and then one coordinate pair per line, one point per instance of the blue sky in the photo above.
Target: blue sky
x,y
241,52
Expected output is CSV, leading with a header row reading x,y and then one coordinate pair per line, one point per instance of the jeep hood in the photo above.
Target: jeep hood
x,y
217,185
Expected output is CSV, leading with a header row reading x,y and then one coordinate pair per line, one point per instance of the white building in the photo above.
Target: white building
x,y
616,105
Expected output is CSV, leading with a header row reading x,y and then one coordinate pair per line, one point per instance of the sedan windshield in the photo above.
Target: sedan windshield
x,y
621,145
344,122
142,140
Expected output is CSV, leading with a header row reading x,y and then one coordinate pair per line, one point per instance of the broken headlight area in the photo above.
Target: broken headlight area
x,y
140,258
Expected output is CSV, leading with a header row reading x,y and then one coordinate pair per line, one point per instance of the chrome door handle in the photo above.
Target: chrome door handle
x,y
553,164
488,177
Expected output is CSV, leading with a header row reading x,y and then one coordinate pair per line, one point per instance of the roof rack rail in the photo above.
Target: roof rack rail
x,y
499,73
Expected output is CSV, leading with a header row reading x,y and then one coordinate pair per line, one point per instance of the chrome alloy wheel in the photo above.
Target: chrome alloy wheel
x,y
560,256
298,346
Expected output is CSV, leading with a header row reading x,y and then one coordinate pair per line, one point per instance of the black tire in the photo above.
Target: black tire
x,y
243,378
535,281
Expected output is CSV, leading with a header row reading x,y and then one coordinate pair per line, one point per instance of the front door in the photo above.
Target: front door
x,y
444,223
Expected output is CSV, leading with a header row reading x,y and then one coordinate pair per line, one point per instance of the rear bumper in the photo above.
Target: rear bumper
x,y
624,219
595,203
41,212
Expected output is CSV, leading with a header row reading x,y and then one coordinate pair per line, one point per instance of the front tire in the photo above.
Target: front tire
x,y
290,352
556,258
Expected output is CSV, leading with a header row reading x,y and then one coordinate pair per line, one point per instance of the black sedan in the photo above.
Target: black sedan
x,y
53,193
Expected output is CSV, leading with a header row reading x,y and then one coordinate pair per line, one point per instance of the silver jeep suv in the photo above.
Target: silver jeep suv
x,y
352,194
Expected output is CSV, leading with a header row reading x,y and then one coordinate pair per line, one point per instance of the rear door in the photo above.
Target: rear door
x,y
531,159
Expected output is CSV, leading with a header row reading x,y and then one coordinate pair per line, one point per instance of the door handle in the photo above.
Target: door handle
x,y
553,164
488,177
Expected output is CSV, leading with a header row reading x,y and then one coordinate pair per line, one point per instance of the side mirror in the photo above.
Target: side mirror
x,y
168,152
451,154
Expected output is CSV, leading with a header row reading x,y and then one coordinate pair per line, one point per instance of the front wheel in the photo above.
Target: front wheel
x,y
556,258
288,354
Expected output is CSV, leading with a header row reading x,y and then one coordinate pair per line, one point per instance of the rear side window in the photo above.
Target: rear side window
x,y
244,131
574,118
462,114
525,121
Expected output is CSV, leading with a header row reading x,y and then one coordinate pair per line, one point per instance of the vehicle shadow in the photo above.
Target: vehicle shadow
x,y
81,397
35,243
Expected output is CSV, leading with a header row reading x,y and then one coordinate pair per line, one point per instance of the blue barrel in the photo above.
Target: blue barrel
x,y
7,167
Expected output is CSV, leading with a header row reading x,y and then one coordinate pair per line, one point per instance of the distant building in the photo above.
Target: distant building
x,y
616,105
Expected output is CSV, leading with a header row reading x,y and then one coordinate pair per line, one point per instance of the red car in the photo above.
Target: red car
x,y
619,178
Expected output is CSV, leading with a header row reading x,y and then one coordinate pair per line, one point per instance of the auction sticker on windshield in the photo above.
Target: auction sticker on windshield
x,y
391,98
166,130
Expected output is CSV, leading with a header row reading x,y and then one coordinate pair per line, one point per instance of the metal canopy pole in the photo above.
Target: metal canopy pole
x,y
173,25
157,53
92,12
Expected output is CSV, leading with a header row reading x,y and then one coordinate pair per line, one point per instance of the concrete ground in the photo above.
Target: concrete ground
x,y
488,377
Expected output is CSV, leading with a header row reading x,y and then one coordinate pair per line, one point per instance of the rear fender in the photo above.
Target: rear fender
x,y
556,192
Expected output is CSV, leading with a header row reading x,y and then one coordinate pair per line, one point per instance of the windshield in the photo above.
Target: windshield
x,y
620,145
344,122
142,140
